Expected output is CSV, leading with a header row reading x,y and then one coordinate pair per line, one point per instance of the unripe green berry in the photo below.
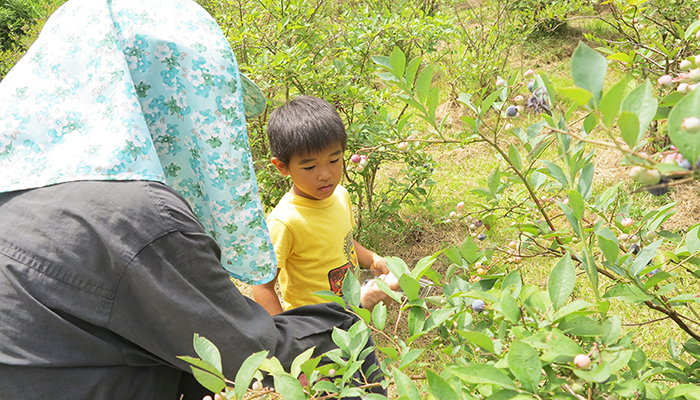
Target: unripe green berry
x,y
649,177
686,65
635,171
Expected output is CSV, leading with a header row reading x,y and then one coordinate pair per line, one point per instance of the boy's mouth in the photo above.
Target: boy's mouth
x,y
326,188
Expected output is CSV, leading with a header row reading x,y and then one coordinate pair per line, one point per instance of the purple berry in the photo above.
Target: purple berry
x,y
478,223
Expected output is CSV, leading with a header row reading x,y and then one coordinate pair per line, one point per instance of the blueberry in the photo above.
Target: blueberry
x,y
654,272
481,236
478,223
685,164
661,190
511,111
635,248
531,85
478,305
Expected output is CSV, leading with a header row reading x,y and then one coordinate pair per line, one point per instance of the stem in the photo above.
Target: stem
x,y
675,317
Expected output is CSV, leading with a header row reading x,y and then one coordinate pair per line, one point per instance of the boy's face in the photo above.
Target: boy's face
x,y
315,175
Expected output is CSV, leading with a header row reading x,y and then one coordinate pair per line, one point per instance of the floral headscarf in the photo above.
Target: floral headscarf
x,y
140,90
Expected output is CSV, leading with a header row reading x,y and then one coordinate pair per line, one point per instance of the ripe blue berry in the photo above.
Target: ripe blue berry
x,y
531,85
481,236
478,305
511,111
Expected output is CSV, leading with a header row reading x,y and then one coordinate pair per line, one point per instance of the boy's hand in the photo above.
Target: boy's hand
x,y
378,266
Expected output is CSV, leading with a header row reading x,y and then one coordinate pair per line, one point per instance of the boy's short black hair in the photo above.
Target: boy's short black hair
x,y
304,125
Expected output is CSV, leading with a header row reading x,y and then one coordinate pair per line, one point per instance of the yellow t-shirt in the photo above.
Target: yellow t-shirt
x,y
314,245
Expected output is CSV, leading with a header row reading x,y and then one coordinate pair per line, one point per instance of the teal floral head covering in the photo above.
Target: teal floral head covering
x,y
140,90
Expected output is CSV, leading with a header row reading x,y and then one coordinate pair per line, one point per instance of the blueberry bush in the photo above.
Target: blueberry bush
x,y
487,332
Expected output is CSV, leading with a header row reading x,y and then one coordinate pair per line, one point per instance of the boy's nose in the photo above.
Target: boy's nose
x,y
324,174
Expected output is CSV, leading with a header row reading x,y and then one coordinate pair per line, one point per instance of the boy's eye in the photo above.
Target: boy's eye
x,y
309,168
335,161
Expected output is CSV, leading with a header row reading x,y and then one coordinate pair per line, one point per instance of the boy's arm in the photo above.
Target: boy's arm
x,y
370,260
266,296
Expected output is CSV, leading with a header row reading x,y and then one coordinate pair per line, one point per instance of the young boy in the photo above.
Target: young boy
x,y
312,226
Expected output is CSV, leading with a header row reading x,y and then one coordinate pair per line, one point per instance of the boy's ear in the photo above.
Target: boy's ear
x,y
280,166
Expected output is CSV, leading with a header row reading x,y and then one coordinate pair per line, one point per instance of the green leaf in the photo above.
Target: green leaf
x,y
469,249
439,388
288,386
588,68
688,144
209,380
641,101
557,173
691,29
206,374
425,79
299,360
629,128
692,240
572,307
624,57
628,292
410,286
351,289
582,326
408,356
608,243
396,265
599,373
561,282
416,321
510,308
557,347
379,316
585,181
482,374
412,69
683,390
207,351
405,385
398,62
610,103
479,339
514,156
383,61
571,217
489,101
579,95
247,371
494,180
524,363
647,253
577,204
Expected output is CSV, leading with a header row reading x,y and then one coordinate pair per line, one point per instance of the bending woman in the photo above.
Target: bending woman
x,y
126,183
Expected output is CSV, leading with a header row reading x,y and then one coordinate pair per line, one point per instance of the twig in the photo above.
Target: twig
x,y
648,322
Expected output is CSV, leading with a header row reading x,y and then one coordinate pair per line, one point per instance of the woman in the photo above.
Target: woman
x,y
126,183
